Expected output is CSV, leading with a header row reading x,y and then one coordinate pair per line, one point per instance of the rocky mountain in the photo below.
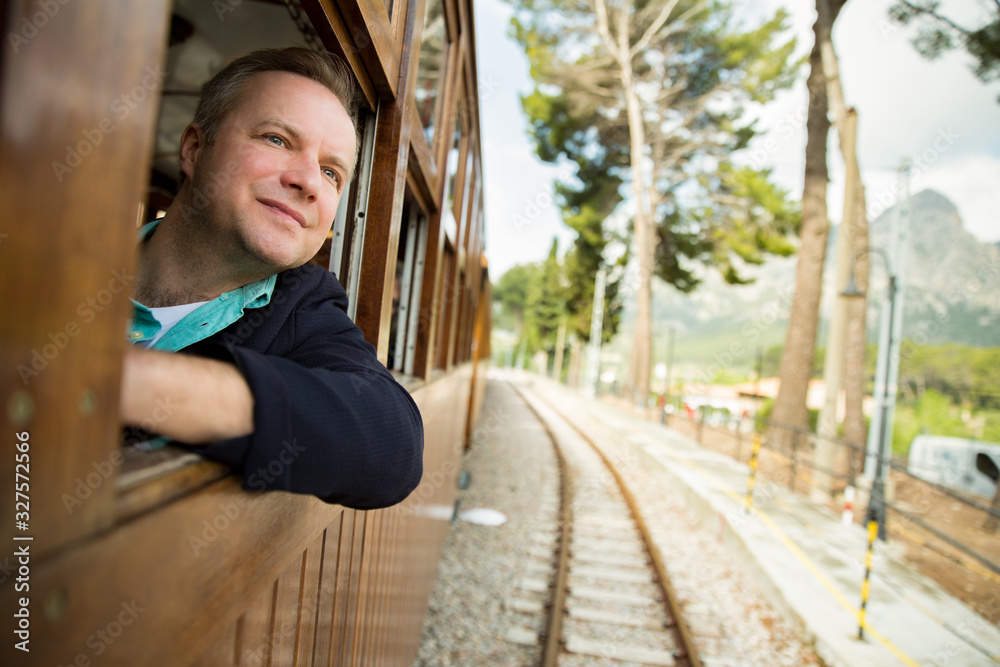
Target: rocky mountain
x,y
951,282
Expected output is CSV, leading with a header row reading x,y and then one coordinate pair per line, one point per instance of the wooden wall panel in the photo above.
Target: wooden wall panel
x,y
253,630
327,618
284,628
348,591
222,651
312,571
216,546
269,575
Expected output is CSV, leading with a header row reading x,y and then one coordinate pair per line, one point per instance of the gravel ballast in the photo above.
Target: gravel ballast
x,y
512,470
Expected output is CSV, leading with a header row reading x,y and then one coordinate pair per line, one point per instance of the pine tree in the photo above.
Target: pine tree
x,y
652,93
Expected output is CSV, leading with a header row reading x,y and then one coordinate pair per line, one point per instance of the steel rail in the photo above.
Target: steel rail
x,y
687,654
553,628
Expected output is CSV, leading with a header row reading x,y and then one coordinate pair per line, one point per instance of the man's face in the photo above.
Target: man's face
x,y
267,188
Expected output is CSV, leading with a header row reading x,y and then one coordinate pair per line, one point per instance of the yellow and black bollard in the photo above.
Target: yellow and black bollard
x,y
872,534
753,470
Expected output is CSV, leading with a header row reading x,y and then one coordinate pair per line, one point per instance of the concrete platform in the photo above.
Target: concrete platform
x,y
804,560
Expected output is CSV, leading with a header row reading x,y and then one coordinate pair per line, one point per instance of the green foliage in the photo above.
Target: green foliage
x,y
991,425
752,217
931,413
968,376
937,33
511,295
771,362
545,303
530,299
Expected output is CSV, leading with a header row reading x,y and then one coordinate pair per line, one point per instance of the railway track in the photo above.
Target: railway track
x,y
593,590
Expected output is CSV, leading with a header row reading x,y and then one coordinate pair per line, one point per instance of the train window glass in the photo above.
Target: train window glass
x,y
431,67
406,290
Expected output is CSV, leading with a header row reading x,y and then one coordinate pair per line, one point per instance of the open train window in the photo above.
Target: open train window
x,y
204,37
406,289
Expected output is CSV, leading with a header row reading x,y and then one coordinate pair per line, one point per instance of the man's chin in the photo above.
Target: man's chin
x,y
276,259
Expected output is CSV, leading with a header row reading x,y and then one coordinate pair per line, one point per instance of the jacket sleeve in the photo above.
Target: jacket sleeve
x,y
329,419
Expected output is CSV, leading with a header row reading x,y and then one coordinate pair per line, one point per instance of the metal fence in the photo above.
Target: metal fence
x,y
790,460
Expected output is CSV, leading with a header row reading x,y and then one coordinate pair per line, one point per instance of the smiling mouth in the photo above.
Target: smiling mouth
x,y
285,211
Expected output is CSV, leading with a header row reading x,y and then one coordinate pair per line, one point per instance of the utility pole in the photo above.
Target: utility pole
x,y
890,331
596,328
670,363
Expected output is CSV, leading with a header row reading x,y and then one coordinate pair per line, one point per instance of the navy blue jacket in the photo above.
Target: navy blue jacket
x,y
329,419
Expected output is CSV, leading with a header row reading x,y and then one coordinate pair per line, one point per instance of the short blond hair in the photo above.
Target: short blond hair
x,y
223,92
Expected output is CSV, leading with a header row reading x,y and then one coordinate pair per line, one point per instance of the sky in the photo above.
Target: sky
x,y
936,113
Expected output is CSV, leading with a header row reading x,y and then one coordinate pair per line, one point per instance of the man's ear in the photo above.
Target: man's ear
x,y
192,144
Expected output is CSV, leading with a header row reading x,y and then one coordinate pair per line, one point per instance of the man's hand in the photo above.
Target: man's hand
x,y
190,399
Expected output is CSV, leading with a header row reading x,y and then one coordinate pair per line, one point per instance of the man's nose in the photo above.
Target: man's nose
x,y
302,173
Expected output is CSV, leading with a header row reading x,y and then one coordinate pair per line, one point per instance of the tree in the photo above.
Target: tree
x,y
938,33
800,338
511,293
532,301
545,303
585,206
652,93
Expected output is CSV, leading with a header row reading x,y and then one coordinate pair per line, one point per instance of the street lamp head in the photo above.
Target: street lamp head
x,y
852,291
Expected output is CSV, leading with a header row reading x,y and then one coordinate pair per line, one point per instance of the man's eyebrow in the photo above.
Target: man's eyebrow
x,y
294,134
288,129
340,163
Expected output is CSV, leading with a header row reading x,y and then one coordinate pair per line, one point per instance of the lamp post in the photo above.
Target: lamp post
x,y
876,502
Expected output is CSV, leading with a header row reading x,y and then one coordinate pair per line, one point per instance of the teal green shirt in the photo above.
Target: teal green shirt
x,y
199,324
202,322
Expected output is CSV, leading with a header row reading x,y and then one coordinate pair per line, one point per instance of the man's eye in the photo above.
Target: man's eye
x,y
276,140
333,175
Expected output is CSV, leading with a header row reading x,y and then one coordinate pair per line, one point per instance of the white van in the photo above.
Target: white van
x,y
957,463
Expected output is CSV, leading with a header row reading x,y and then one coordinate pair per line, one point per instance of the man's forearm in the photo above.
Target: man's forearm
x,y
190,399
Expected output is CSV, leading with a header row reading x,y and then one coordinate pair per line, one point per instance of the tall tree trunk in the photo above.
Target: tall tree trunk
x,y
641,357
854,237
855,430
800,340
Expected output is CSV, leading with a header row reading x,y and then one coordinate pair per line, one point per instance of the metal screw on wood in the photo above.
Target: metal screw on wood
x,y
20,408
56,603
88,402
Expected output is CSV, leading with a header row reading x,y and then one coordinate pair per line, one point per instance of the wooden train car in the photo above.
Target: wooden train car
x,y
118,556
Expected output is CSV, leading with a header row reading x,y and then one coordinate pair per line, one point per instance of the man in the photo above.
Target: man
x,y
272,377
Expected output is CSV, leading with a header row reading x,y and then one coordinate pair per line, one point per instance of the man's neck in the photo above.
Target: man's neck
x,y
176,266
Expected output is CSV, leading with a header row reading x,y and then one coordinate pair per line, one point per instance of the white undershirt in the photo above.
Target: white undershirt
x,y
168,316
